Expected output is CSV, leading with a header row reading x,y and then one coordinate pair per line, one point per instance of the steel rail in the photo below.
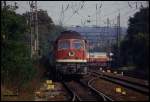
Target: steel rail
x,y
81,97
126,84
105,97
73,95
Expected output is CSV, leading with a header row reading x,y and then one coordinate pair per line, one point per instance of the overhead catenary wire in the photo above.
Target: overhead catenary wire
x,y
115,12
75,11
76,7
125,14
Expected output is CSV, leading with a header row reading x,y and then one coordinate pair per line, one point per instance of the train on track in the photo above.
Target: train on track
x,y
71,56
98,59
70,53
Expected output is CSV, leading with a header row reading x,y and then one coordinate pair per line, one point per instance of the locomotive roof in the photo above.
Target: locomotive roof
x,y
69,35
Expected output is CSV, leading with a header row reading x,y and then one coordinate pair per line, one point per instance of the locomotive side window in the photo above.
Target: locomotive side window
x,y
63,44
77,44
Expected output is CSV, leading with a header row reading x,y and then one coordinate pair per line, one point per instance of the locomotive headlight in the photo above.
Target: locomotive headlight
x,y
71,53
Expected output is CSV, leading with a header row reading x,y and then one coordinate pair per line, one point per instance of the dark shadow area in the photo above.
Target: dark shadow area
x,y
49,69
52,74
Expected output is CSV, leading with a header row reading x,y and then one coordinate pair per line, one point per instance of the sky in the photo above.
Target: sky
x,y
86,11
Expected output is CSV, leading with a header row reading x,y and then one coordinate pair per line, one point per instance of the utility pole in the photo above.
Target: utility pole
x,y
100,14
4,4
118,40
34,28
31,31
108,23
118,35
96,15
61,16
108,34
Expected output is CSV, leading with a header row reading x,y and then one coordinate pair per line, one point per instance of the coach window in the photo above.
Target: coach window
x,y
77,44
63,44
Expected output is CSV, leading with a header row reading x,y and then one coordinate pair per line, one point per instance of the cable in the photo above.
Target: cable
x,y
114,12
125,14
74,12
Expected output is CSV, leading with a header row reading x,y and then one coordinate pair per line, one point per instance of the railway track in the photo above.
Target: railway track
x,y
134,86
105,97
71,93
82,92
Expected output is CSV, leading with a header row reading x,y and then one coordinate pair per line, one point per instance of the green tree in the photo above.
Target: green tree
x,y
47,31
135,47
16,64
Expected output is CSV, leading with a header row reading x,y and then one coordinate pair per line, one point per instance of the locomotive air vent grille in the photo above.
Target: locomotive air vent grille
x,y
71,53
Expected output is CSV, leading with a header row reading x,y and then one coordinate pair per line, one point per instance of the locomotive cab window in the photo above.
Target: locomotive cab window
x,y
77,44
63,44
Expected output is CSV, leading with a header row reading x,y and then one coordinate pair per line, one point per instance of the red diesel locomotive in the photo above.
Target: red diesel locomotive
x,y
70,54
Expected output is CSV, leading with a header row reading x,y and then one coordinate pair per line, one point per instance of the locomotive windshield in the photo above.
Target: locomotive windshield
x,y
77,44
63,44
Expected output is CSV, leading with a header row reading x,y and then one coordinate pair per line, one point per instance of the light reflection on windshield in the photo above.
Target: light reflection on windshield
x,y
77,44
63,45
